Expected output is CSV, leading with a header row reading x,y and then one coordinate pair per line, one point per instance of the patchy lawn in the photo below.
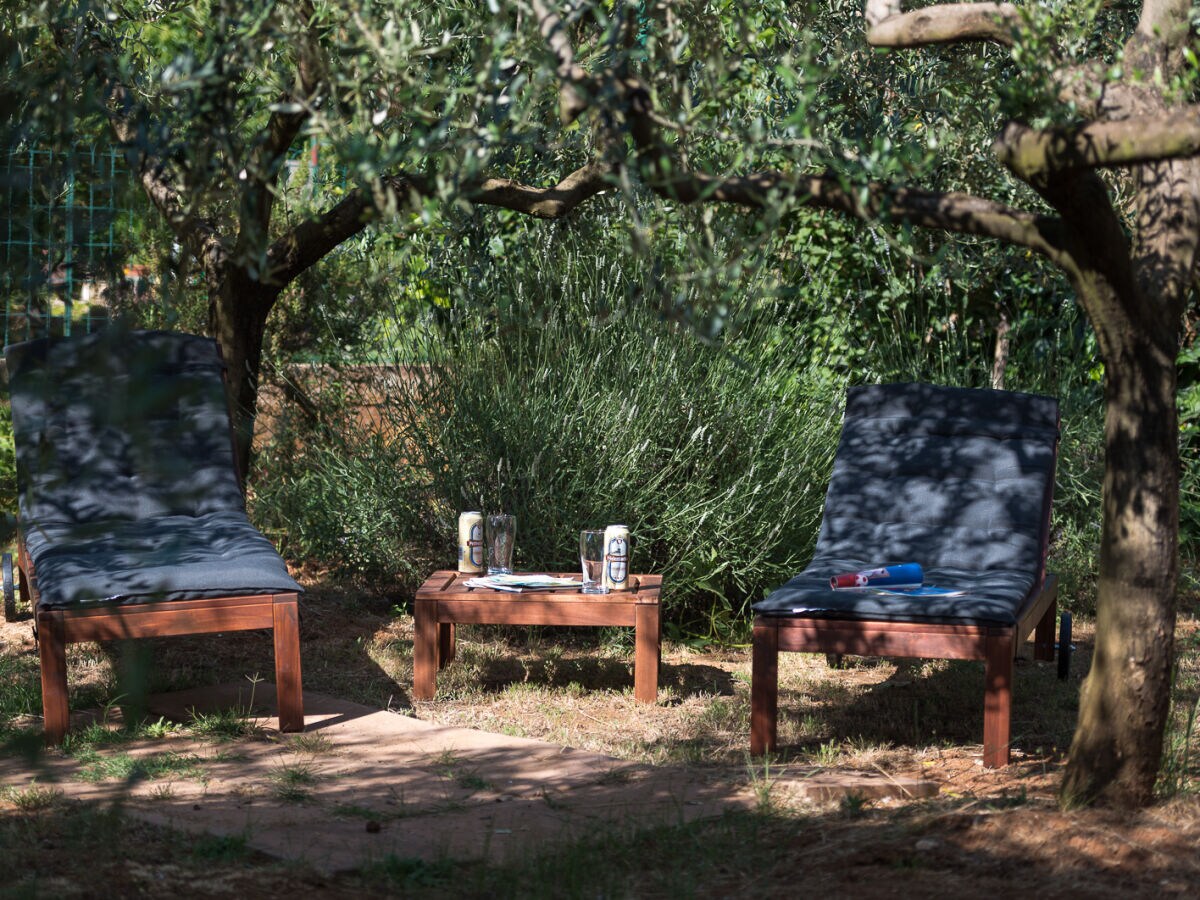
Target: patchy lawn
x,y
987,830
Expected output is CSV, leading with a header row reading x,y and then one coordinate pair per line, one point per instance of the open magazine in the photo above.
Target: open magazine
x,y
924,590
523,581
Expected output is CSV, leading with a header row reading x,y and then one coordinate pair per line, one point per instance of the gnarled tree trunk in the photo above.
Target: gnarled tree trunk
x,y
1118,740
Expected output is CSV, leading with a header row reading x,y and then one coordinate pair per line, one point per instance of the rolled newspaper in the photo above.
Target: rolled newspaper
x,y
902,575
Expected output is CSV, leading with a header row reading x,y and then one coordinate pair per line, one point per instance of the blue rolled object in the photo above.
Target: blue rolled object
x,y
901,575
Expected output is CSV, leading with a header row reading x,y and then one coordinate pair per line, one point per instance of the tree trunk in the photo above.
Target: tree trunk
x,y
1000,357
1118,741
238,309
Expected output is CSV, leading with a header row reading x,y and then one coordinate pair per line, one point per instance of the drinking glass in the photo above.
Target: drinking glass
x,y
591,559
501,532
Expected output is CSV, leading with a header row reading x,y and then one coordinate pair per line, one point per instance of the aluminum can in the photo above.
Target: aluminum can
x,y
616,557
470,542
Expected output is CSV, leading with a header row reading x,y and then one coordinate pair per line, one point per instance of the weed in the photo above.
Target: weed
x,y
33,798
225,725
314,743
553,801
828,754
1009,801
853,805
761,783
229,724
162,792
125,767
157,730
448,765
293,783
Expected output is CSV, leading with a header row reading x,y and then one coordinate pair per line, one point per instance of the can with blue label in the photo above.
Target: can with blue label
x,y
616,557
470,542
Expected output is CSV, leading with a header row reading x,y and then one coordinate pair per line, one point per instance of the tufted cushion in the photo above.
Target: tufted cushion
x,y
127,486
956,479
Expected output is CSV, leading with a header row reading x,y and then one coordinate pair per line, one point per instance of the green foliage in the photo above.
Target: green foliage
x,y
20,689
553,386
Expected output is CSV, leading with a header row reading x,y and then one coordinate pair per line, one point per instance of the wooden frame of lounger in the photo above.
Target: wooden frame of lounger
x,y
55,628
995,645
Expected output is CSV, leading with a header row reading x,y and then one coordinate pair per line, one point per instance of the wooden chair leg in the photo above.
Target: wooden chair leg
x,y
52,650
997,700
764,686
289,692
1043,635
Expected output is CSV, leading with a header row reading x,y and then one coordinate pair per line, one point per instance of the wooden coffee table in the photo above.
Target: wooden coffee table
x,y
443,601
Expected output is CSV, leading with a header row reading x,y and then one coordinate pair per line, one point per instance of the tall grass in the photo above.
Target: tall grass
x,y
715,455
557,383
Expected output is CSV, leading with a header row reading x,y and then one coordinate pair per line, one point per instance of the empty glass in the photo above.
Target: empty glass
x,y
591,560
501,532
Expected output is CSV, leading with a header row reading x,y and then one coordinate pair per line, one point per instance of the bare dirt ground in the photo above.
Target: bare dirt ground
x,y
893,720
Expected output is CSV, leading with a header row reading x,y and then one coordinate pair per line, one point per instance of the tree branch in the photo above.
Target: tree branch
x,y
941,24
958,212
1034,155
572,101
309,241
546,203
196,232
275,140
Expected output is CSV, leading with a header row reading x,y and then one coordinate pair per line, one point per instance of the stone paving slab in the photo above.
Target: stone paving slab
x,y
363,784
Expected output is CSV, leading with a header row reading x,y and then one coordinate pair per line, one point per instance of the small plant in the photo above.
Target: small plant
x,y
157,730
448,765
853,805
762,783
293,783
1175,774
227,724
313,743
828,754
162,792
33,798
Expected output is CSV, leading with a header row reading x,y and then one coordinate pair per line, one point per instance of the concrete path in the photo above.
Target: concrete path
x,y
362,784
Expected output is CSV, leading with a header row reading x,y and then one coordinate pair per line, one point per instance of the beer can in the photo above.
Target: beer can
x,y
616,557
470,542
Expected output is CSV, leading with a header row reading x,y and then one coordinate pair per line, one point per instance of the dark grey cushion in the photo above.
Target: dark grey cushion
x,y
127,486
956,479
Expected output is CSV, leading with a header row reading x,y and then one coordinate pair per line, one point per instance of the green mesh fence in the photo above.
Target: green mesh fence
x,y
63,240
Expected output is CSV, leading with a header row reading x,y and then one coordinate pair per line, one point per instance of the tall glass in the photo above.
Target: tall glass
x,y
501,533
591,560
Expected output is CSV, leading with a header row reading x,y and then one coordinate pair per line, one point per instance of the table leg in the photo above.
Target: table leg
x,y
647,632
425,649
445,644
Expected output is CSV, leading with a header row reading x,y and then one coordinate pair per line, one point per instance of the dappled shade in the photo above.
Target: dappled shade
x,y
955,479
128,490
